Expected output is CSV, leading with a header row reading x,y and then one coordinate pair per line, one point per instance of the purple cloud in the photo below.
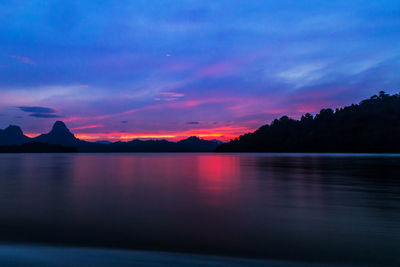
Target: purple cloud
x,y
43,115
40,112
37,109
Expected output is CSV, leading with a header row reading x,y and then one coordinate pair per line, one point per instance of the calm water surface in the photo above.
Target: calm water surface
x,y
311,208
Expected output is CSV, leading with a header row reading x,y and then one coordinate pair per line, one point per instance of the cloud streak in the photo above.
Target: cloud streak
x,y
37,109
43,115
24,60
39,112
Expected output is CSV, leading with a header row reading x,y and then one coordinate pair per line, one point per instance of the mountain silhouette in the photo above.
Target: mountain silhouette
x,y
194,143
13,135
60,139
59,135
372,126
191,144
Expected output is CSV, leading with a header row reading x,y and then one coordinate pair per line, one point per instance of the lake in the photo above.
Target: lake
x,y
321,208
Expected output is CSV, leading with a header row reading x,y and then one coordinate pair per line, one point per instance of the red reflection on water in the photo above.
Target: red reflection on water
x,y
200,178
219,177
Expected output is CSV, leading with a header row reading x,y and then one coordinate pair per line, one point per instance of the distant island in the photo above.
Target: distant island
x,y
372,126
60,139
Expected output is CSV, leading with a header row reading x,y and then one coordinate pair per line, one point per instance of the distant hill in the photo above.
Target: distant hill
x,y
60,138
12,135
191,144
194,143
372,126
59,135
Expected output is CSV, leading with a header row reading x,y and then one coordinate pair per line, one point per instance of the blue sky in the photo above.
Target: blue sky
x,y
170,69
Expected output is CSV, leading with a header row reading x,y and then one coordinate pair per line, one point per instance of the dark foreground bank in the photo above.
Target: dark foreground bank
x,y
14,255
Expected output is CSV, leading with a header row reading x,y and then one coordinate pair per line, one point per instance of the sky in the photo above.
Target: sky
x,y
119,70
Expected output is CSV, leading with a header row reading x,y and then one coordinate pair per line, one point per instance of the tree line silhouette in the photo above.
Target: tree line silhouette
x,y
372,126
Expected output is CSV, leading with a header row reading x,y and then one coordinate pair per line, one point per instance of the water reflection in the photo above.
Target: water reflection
x,y
329,208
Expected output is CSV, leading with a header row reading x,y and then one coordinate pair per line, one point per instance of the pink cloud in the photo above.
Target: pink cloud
x,y
197,102
172,94
88,127
168,96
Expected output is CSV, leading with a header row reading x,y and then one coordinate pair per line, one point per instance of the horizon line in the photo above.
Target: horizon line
x,y
223,134
123,137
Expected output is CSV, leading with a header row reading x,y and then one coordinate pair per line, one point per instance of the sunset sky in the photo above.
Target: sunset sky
x,y
120,70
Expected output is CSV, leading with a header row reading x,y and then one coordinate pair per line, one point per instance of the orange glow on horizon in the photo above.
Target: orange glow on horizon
x,y
221,133
32,135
